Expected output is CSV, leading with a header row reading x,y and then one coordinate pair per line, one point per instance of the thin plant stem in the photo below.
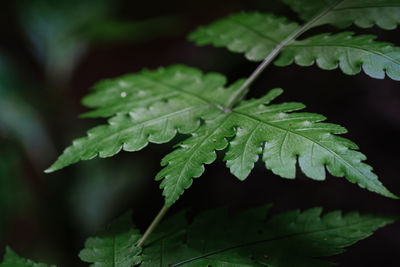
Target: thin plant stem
x,y
152,226
242,91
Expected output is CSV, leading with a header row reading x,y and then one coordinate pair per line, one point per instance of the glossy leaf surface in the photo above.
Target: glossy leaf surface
x,y
258,34
196,104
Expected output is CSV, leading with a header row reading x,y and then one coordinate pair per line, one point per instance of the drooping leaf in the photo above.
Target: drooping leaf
x,y
291,238
150,107
283,137
115,246
349,53
11,259
363,13
258,34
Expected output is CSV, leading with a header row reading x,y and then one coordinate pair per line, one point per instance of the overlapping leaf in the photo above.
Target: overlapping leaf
x,y
258,34
115,246
363,13
292,238
11,259
283,137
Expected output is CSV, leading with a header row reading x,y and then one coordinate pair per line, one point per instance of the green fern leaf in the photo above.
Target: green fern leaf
x,y
115,246
174,101
363,13
258,34
349,53
254,34
187,162
11,259
133,131
282,136
141,90
212,239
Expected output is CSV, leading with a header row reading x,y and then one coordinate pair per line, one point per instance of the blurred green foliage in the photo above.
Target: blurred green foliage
x,y
61,31
58,34
19,119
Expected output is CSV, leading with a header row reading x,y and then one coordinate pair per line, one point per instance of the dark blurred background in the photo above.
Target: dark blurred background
x,y
51,52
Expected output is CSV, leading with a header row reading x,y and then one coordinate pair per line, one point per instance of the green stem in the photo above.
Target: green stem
x,y
243,90
152,226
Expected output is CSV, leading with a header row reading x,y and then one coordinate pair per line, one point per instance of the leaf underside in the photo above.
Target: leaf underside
x,y
256,35
292,238
152,106
280,134
114,246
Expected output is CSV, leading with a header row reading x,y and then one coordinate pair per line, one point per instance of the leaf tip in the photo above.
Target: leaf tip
x,y
385,192
49,170
52,168
393,196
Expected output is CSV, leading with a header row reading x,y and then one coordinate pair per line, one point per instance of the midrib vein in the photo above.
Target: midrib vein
x,y
174,88
247,27
193,151
143,124
303,136
271,240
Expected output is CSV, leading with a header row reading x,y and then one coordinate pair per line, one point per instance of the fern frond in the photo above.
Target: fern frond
x,y
11,259
283,136
187,162
256,40
254,34
289,239
349,53
114,246
143,89
363,13
187,93
133,131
